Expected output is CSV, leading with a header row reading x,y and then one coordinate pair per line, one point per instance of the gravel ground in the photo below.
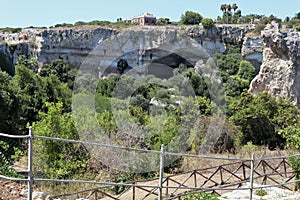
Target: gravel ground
x,y
11,190
273,193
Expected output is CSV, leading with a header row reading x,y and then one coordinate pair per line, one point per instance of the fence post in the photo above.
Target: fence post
x,y
161,172
30,178
251,176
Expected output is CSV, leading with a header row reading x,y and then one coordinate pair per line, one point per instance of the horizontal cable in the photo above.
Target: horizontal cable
x,y
14,136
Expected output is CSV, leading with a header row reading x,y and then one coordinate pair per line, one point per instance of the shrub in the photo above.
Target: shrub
x,y
5,168
261,192
207,23
200,196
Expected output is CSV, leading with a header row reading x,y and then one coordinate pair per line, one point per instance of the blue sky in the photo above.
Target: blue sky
x,y
20,13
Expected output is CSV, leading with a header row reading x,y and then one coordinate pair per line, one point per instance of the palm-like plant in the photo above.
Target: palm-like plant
x,y
228,12
234,7
223,8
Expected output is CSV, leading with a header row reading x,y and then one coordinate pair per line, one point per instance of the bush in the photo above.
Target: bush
x,y
297,27
207,23
259,28
200,196
5,168
58,159
190,17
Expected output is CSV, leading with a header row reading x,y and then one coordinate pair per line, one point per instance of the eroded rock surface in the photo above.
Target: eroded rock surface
x,y
279,74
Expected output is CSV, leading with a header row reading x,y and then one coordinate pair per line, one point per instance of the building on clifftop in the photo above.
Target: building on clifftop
x,y
144,19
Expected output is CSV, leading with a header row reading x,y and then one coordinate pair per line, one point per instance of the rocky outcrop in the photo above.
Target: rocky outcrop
x,y
74,44
27,42
71,45
252,50
279,74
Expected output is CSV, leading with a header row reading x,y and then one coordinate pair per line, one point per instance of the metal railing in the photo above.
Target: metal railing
x,y
161,180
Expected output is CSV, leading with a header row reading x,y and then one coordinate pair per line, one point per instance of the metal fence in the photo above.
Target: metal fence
x,y
163,182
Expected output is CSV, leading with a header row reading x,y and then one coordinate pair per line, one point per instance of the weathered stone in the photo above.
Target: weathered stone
x,y
252,50
279,74
75,44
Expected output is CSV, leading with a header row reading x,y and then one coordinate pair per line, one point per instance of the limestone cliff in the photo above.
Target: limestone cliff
x,y
252,49
279,72
74,44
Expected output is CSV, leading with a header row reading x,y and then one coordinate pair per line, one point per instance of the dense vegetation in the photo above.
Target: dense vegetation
x,y
181,104
43,99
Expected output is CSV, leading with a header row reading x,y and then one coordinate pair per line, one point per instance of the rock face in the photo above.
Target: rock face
x,y
279,74
252,50
73,45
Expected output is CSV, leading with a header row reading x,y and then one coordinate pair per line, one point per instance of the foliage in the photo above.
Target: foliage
x,y
295,163
246,70
259,28
31,63
58,159
190,18
6,169
6,64
261,192
228,16
119,23
61,69
207,23
200,196
163,21
122,66
33,91
262,118
11,30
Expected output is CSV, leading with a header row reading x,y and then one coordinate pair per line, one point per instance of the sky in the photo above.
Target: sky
x,y
20,13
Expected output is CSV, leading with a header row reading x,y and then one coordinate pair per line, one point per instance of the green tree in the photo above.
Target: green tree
x,y
163,21
191,18
31,63
61,69
58,159
262,117
28,87
122,66
207,23
223,8
9,106
246,70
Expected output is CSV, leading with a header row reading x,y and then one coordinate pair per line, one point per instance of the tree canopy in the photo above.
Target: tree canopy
x,y
191,18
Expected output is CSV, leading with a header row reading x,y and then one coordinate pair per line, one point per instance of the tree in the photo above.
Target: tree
x,y
297,15
122,66
61,69
9,106
191,18
236,16
207,23
261,118
229,14
163,21
223,8
246,70
58,159
234,7
31,63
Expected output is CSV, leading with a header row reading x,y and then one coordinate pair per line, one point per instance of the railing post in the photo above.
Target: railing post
x,y
133,191
30,178
251,176
161,172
